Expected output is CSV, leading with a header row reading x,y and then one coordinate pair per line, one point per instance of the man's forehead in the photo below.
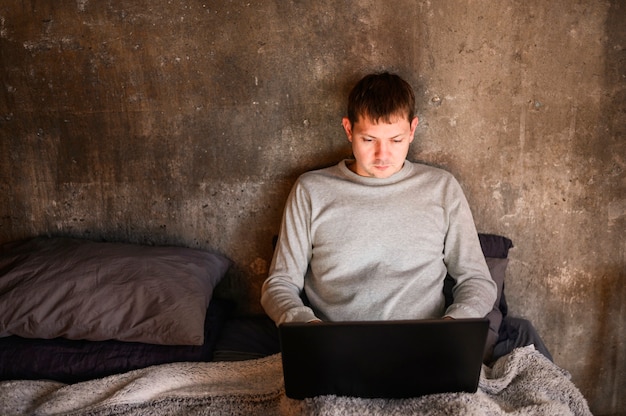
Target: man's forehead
x,y
384,119
392,119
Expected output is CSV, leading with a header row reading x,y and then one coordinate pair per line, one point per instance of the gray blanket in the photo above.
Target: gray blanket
x,y
521,383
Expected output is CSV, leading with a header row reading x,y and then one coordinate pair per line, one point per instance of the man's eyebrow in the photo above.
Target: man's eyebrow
x,y
378,138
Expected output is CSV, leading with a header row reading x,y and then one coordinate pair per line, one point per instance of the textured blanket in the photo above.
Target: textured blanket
x,y
521,383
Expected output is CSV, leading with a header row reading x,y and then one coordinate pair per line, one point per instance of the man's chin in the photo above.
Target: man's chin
x,y
377,171
382,172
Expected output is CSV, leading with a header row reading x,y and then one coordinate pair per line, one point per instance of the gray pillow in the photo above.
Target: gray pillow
x,y
79,289
497,269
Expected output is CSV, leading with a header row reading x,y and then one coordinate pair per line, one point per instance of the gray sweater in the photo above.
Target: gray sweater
x,y
376,249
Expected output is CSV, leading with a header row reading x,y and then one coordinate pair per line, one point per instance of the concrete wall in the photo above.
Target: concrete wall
x,y
186,122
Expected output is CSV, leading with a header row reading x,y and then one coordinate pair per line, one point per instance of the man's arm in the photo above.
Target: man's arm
x,y
475,291
281,292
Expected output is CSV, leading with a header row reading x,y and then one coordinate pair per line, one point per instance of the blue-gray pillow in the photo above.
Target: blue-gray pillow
x,y
80,289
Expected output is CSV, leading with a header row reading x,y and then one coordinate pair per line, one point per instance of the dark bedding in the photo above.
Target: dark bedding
x,y
71,361
246,338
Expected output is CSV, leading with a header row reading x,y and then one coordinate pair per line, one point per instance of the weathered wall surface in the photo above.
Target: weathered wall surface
x,y
186,122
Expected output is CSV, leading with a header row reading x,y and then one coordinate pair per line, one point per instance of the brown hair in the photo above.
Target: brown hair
x,y
381,96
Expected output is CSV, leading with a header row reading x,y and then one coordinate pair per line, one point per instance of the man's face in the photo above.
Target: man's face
x,y
379,149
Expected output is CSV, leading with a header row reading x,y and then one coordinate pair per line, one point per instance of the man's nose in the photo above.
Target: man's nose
x,y
382,148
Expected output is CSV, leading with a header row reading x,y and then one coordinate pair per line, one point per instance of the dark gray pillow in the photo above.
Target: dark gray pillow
x,y
494,245
497,269
79,289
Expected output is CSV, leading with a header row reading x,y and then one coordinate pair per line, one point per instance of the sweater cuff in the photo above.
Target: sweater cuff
x,y
460,311
298,314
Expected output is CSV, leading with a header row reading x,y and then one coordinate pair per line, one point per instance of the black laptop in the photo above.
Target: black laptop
x,y
382,359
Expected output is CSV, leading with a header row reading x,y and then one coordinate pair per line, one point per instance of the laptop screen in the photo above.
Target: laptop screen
x,y
387,359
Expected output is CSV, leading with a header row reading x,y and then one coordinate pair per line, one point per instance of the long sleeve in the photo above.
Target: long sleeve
x,y
475,291
281,292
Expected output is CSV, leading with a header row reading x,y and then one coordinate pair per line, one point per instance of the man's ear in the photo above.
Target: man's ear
x,y
347,127
414,124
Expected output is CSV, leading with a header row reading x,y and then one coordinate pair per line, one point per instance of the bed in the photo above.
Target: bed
x,y
108,328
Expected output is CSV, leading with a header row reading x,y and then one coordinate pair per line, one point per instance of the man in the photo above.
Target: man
x,y
373,238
